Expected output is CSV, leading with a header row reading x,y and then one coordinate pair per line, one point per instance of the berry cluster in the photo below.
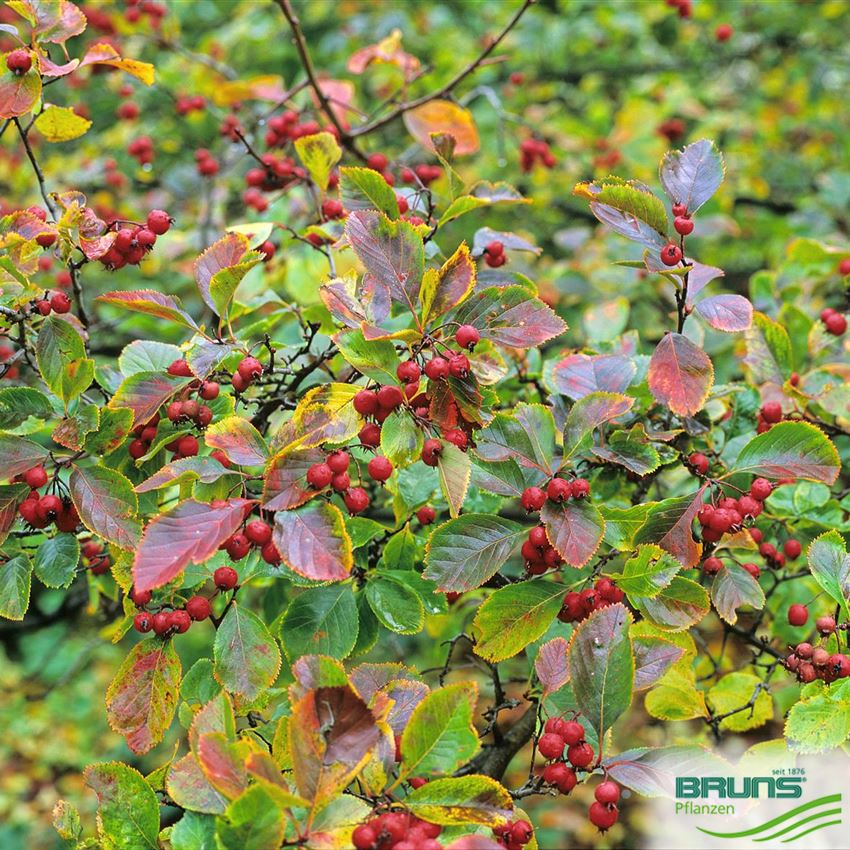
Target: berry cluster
x,y
154,12
396,830
494,254
95,557
810,663
333,472
248,370
132,243
560,735
40,510
557,490
769,414
514,834
576,606
833,321
730,514
141,149
205,163
177,620
683,7
534,151
287,127
791,549
539,554
256,534
423,173
186,103
58,302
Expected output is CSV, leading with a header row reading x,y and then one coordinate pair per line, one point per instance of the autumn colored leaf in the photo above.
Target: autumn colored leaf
x,y
104,53
443,116
286,484
61,124
462,800
313,542
17,455
728,312
19,93
692,175
107,504
680,375
121,789
668,524
450,286
552,665
152,303
239,440
579,375
145,392
575,529
187,534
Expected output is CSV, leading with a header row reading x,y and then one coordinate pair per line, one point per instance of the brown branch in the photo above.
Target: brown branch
x,y
494,760
449,86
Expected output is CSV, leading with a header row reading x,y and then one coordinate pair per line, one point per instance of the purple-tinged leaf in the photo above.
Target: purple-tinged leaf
x,y
204,469
151,303
313,542
669,525
680,375
145,392
692,175
700,276
18,454
552,666
286,484
654,656
729,313
653,772
732,588
106,503
579,375
587,414
575,529
189,787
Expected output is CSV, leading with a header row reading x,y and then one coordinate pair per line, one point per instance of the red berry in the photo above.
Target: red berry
x,y
209,390
60,303
225,578
390,397
49,507
671,254
198,608
187,446
408,372
558,490
760,489
258,532
140,597
319,476
607,792
521,832
712,566
580,755
723,32
825,625
467,337
159,221
456,436
250,368
426,515
161,622
370,435
771,412
836,324
698,462
137,449
683,225
437,368
756,534
752,569
270,554
459,366
537,537
840,665
142,622
36,477
356,500
494,248
221,457
602,816
180,368
798,615
366,402
792,548
533,499
679,210
338,461
551,746
364,837
561,776
238,546
380,468
377,161
19,61
431,450
580,488
179,620
341,482
749,507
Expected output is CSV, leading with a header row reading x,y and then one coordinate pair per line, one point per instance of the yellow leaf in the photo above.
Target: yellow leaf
x,y
319,153
443,116
61,124
105,54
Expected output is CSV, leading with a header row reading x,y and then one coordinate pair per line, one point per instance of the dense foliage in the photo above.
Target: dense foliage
x,y
379,465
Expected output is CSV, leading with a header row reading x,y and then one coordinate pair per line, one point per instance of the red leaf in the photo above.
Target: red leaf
x,y
669,524
575,529
190,533
286,479
222,764
313,542
579,375
53,21
552,666
728,313
680,374
152,303
189,788
106,503
145,392
239,440
142,699
354,303
19,93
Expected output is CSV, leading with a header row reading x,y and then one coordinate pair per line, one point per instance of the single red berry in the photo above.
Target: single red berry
x,y
467,337
798,615
580,755
551,746
679,210
698,462
683,225
356,500
459,366
36,477
494,248
408,372
558,490
749,507
431,450
43,307
377,161
19,61
380,468
225,578
756,534
49,507
771,411
269,553
209,390
161,622
607,792
137,449
258,532
723,32
533,499
390,397
580,488
840,665
341,482
45,240
221,457
338,461
319,476
159,221
712,566
180,368
671,254
752,569
537,537
238,546
437,368
180,621
370,435
364,837
140,597
760,489
792,549
198,608
365,402
426,515
456,436
143,622
602,816
250,368
521,832
825,625
836,324
60,303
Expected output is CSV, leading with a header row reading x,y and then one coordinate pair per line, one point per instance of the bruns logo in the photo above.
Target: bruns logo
x,y
739,788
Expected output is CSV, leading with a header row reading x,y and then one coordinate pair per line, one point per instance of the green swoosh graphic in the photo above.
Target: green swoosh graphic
x,y
831,798
813,829
824,814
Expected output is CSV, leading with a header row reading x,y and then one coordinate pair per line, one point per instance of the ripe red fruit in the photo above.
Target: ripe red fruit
x,y
258,532
319,475
602,816
43,307
683,225
356,500
839,664
137,449
825,625
140,597
521,832
225,578
19,61
723,32
456,436
270,554
712,566
364,837
377,161
760,489
221,457
48,507
558,490
771,412
161,622
561,776
467,337
238,546
431,450
379,468
752,569
551,746
36,477
159,221
179,620
580,488
60,303
143,622
671,254
250,368
426,515
209,390
338,461
698,462
459,366
836,324
792,548
187,446
366,402
198,608
607,792
798,615
390,397
370,435
580,755
679,210
844,266
537,537
408,372
533,499
341,482
180,368
437,368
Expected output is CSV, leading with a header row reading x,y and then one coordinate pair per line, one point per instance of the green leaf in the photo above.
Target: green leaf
x,y
646,574
818,724
61,356
464,552
631,449
629,209
589,413
769,355
66,821
142,698
56,560
455,469
320,153
440,735
397,606
366,189
247,659
252,821
114,426
790,450
514,616
107,504
375,358
15,579
401,440
320,621
461,800
17,404
732,588
830,565
526,435
622,524
193,832
239,440
128,811
735,690
679,605
602,667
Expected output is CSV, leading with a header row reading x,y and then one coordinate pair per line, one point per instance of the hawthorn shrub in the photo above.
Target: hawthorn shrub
x,y
276,495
